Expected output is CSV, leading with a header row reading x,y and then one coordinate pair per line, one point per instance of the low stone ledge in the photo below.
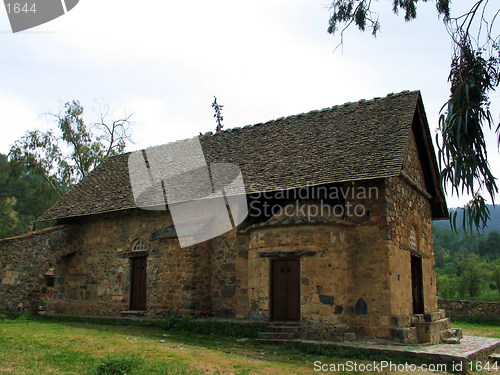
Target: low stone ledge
x,y
470,309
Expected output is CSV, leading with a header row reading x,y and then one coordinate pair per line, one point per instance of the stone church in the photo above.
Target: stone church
x,y
338,237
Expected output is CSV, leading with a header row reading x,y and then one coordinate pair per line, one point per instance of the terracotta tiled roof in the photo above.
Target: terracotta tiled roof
x,y
353,141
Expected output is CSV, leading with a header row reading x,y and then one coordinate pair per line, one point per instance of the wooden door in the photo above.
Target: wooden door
x,y
417,285
138,284
285,289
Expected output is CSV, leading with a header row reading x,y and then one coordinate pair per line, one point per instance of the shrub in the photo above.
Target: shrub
x,y
118,366
8,315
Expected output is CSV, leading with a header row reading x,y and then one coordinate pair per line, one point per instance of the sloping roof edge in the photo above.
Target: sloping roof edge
x,y
412,103
429,163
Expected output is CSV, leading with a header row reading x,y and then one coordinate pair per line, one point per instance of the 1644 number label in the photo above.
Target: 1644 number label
x,y
17,8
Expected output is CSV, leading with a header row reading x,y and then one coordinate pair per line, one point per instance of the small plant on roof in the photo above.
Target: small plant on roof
x,y
218,115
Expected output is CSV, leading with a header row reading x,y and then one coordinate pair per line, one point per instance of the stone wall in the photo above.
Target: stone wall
x,y
229,275
25,260
91,261
325,275
96,279
411,163
346,282
369,310
410,232
470,309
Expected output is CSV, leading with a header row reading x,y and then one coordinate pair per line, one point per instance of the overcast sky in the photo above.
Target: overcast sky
x,y
165,60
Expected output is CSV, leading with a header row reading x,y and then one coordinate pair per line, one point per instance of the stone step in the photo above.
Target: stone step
x,y
285,323
495,358
451,336
436,326
435,332
452,332
276,341
451,340
434,316
342,327
132,313
277,335
344,336
438,331
276,328
417,318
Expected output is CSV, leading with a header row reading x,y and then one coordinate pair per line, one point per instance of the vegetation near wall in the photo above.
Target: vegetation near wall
x,y
468,264
24,195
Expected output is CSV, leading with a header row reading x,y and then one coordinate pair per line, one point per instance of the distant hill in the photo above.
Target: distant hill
x,y
494,224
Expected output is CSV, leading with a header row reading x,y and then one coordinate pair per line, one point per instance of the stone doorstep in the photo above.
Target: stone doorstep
x,y
276,331
280,331
428,317
277,335
436,326
236,322
344,336
285,323
495,357
133,313
451,336
276,328
438,331
471,348
434,316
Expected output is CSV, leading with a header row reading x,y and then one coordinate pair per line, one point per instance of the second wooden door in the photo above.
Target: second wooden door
x,y
285,289
138,284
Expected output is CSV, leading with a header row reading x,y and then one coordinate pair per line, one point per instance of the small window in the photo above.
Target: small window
x,y
139,246
413,240
50,280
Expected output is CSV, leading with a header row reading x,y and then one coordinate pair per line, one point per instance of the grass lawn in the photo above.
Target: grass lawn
x,y
48,346
478,329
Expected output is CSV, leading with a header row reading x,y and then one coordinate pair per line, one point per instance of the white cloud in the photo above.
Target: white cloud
x,y
16,117
263,59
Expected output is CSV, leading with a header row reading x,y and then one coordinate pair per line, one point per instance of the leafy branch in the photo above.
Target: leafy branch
x,y
65,158
474,75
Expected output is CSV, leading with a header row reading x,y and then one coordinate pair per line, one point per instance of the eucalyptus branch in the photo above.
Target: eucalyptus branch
x,y
474,75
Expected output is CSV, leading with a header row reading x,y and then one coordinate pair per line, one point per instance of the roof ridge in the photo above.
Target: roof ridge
x,y
389,95
249,126
155,146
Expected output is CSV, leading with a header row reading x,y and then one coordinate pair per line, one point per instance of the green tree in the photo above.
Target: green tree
x,y
447,285
64,159
10,225
52,161
472,277
490,246
30,189
474,75
466,266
